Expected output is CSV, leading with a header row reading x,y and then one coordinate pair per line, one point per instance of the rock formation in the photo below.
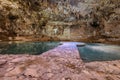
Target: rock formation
x,y
60,19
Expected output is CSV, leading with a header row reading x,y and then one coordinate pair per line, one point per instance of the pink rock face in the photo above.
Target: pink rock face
x,y
61,63
2,62
22,59
31,72
14,72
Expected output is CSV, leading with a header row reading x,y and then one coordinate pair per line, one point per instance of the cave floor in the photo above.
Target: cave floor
x,y
60,63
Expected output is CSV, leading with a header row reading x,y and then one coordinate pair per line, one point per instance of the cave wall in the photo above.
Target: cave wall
x,y
60,30
64,19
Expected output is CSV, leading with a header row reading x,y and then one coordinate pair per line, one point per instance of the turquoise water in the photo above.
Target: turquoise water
x,y
26,47
99,52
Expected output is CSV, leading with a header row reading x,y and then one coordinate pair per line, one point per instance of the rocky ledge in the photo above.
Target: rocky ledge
x,y
61,63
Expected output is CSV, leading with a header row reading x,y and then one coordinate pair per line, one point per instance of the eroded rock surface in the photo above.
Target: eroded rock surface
x,y
61,63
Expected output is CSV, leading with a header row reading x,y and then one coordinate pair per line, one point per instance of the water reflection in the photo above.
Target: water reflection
x,y
27,47
99,52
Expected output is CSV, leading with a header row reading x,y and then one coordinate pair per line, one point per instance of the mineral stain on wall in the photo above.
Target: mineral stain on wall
x,y
60,20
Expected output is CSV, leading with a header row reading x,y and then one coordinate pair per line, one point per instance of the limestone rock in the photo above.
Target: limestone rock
x,y
31,72
2,62
15,72
89,18
19,60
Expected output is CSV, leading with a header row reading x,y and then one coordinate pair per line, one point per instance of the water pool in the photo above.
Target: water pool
x,y
99,52
34,48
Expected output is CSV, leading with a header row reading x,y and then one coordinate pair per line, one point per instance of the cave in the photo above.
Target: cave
x,y
59,40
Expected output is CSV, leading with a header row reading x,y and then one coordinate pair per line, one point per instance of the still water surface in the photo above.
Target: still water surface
x,y
99,52
26,47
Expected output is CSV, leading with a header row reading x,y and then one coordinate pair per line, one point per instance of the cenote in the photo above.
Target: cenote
x,y
34,48
99,52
